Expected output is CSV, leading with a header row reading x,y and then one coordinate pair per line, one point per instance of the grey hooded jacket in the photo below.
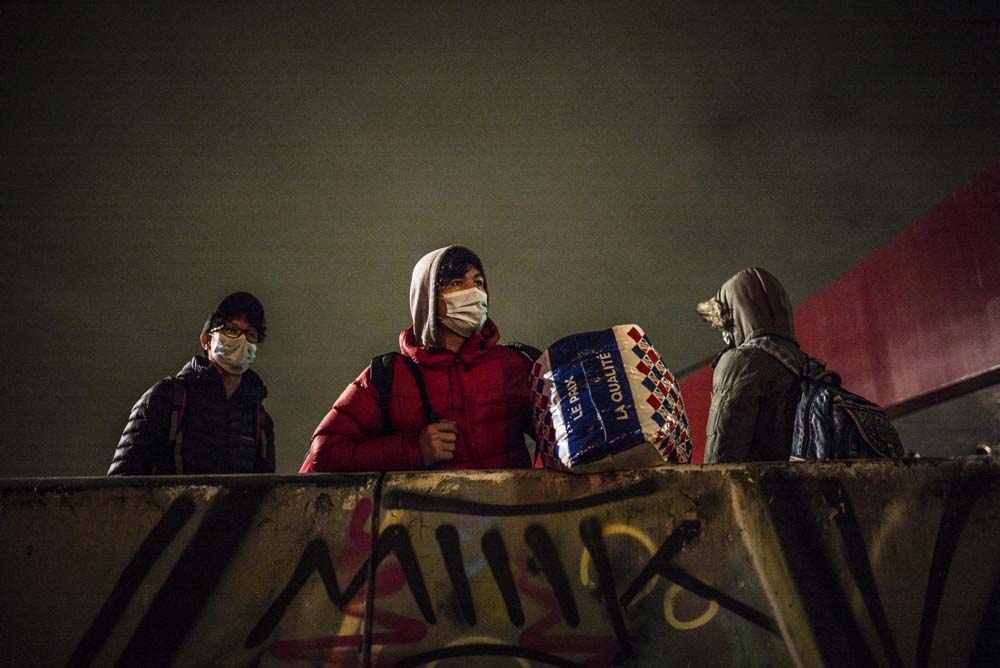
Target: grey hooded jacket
x,y
423,296
754,396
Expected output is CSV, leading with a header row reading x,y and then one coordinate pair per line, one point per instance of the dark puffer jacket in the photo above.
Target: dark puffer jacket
x,y
219,435
754,396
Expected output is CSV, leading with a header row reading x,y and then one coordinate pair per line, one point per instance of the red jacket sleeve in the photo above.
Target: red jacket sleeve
x,y
351,437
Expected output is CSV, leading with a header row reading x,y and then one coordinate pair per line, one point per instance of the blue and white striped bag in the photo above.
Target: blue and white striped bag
x,y
604,401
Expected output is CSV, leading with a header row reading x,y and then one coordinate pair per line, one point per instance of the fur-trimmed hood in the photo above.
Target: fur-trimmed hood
x,y
750,304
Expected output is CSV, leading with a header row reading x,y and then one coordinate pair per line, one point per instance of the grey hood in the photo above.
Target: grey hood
x,y
423,298
750,304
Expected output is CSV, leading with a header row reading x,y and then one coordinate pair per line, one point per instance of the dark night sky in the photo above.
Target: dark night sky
x,y
610,162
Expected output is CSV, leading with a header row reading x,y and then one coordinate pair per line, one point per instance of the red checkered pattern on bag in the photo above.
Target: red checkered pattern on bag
x,y
541,417
671,410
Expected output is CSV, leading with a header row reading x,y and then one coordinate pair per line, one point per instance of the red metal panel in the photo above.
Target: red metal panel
x,y
696,391
917,321
922,313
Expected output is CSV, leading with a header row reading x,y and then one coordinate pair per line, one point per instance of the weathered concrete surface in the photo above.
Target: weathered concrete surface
x,y
883,563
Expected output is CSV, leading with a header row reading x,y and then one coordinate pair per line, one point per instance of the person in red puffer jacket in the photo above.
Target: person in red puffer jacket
x,y
477,390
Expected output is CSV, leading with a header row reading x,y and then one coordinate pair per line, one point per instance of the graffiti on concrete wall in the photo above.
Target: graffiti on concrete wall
x,y
786,569
510,577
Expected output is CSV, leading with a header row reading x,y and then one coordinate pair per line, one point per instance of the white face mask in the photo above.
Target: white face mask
x,y
233,355
466,311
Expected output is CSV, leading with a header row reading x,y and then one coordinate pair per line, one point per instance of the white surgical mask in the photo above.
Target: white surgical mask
x,y
466,311
233,355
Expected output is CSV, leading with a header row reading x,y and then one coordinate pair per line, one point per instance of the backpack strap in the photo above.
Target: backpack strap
x,y
382,372
775,351
261,434
814,368
418,378
529,352
176,437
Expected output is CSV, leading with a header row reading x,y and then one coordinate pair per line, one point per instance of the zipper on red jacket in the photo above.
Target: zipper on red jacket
x,y
451,388
465,407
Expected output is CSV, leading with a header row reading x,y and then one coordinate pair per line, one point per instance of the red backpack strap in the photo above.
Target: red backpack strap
x,y
176,437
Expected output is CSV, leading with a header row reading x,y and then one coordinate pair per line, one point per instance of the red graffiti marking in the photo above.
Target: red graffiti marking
x,y
388,628
600,648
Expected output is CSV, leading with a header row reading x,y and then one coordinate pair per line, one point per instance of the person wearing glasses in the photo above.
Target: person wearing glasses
x,y
209,417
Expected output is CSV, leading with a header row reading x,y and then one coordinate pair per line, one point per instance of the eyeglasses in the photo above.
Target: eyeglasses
x,y
233,332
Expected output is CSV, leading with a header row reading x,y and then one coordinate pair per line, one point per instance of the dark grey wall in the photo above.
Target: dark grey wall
x,y
954,427
610,162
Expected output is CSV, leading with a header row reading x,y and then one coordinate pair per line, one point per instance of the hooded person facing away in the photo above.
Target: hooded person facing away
x,y
754,396
477,390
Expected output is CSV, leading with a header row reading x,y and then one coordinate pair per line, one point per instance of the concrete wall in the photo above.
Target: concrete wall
x,y
879,563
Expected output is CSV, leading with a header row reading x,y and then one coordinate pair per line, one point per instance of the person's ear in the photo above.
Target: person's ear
x,y
206,338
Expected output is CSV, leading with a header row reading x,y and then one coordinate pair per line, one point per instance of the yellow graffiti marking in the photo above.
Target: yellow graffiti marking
x,y
668,611
619,530
484,640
